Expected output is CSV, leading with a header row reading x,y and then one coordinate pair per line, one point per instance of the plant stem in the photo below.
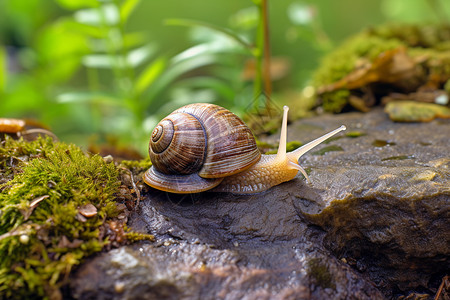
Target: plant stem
x,y
266,64
263,82
258,55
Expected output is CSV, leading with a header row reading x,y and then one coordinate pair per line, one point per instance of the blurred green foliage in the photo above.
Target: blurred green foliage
x,y
114,67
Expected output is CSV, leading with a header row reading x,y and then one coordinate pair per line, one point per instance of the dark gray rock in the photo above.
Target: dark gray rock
x,y
240,247
386,205
373,216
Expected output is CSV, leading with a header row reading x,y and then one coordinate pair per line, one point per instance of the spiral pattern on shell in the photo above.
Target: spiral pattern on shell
x,y
196,142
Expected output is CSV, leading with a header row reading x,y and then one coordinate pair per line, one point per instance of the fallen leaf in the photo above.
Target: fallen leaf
x,y
412,111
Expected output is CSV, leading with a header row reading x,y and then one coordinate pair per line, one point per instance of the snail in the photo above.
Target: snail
x,y
201,147
29,130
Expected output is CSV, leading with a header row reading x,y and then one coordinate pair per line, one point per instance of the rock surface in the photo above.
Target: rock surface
x,y
374,224
385,201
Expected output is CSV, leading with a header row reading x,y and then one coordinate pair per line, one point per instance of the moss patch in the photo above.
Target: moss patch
x,y
322,276
354,134
344,59
137,165
55,205
427,46
290,146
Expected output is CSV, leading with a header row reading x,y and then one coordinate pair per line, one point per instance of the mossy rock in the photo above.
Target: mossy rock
x,y
56,203
427,47
410,111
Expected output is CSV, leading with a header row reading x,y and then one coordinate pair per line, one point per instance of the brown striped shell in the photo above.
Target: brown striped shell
x,y
196,146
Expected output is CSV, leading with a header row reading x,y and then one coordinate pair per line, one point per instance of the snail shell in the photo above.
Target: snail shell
x,y
21,128
196,146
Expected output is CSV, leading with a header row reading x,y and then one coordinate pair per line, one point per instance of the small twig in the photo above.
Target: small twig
x,y
266,43
20,230
33,204
441,288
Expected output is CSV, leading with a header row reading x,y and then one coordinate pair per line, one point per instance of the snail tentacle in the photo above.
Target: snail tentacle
x,y
296,166
281,154
297,153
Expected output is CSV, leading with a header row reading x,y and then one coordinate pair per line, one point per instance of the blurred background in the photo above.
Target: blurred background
x,y
105,72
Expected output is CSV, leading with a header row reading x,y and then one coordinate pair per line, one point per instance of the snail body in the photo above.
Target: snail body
x,y
202,147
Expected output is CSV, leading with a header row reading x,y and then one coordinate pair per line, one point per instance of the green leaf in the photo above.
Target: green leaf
x,y
175,70
85,29
149,75
107,61
60,50
133,39
210,48
112,41
87,97
103,61
137,56
77,4
225,31
219,86
106,14
23,97
127,8
245,19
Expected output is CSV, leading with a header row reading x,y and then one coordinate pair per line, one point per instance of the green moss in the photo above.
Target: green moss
x,y
143,164
264,145
344,59
290,146
320,273
429,41
335,101
136,236
43,233
447,86
382,143
416,35
413,111
354,134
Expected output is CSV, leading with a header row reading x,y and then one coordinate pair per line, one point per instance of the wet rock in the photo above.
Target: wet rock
x,y
375,218
240,247
386,207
